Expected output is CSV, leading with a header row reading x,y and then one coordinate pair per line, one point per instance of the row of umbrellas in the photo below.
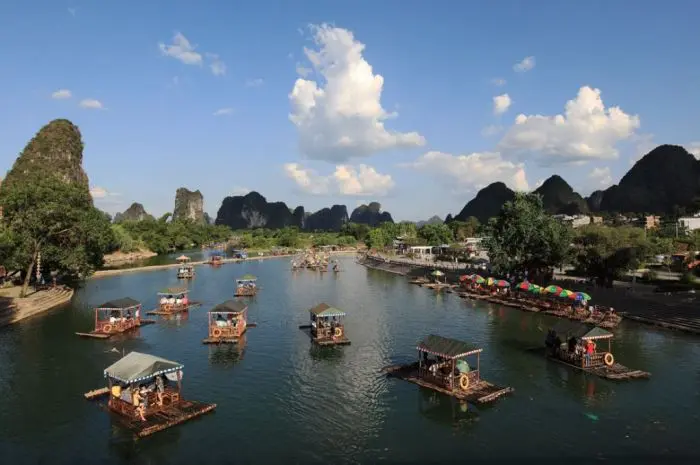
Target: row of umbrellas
x,y
527,286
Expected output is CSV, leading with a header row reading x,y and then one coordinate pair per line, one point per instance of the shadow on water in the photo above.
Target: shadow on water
x,y
446,410
326,354
227,354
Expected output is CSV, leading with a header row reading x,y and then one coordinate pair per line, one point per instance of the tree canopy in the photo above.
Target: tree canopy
x,y
523,237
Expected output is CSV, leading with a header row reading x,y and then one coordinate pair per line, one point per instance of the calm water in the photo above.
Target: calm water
x,y
282,401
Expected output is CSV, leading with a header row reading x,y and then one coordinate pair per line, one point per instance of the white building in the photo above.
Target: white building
x,y
690,223
575,221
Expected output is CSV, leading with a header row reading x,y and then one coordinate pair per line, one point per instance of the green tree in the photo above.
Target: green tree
x,y
464,229
525,238
376,239
436,234
44,214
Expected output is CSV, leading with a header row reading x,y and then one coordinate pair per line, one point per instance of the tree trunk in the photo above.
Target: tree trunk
x,y
28,277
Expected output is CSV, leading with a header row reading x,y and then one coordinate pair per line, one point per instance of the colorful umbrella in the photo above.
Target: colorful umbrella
x,y
525,286
490,282
501,283
553,289
478,279
437,273
566,293
465,277
582,296
535,289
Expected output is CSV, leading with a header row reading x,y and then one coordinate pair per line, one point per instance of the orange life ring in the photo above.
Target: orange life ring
x,y
338,332
107,328
609,359
167,307
216,332
464,381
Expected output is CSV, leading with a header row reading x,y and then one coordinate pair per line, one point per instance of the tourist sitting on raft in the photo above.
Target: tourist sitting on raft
x,y
115,317
221,320
138,395
174,301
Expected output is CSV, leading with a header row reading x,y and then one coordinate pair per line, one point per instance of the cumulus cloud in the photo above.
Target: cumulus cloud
x,y
238,190
501,103
586,131
101,193
216,65
694,148
491,130
346,180
257,82
181,49
498,82
223,111
341,116
525,65
601,177
302,70
62,94
474,171
91,104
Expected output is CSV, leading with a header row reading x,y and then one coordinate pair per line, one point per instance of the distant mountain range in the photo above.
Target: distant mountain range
x,y
664,181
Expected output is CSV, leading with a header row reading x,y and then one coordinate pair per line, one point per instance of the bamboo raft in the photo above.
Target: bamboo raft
x,y
100,335
163,419
229,340
155,311
96,393
436,286
342,341
616,372
482,392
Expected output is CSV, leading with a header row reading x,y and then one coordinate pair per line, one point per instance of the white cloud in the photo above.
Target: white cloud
x,y
343,118
217,66
498,82
223,111
91,104
302,70
346,180
694,148
238,190
257,82
525,65
491,130
602,177
182,50
501,103
62,94
101,193
586,131
474,171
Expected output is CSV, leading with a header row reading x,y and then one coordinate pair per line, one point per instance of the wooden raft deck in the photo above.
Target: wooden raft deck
x,y
617,371
344,341
163,419
482,392
101,335
155,311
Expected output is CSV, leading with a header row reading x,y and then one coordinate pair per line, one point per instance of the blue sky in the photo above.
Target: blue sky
x,y
403,102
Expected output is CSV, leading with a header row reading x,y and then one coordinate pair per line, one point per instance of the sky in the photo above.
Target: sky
x,y
414,104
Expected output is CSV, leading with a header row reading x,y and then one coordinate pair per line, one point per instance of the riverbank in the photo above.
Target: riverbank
x,y
639,303
118,271
13,309
118,258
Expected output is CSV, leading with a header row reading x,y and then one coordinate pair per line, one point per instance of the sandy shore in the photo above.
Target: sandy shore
x,y
104,273
14,309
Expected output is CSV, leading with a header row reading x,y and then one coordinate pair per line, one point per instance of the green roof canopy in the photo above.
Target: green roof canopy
x,y
581,331
324,310
173,291
230,306
247,277
120,304
135,367
446,347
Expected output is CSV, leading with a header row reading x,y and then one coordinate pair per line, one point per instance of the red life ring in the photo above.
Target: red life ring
x,y
107,328
216,332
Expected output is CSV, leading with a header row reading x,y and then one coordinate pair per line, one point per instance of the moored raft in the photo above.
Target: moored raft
x,y
172,301
246,286
571,351
185,270
145,394
448,371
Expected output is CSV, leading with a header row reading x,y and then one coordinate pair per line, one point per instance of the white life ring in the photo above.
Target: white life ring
x,y
609,359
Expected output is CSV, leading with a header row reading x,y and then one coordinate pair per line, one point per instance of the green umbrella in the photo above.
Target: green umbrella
x,y
565,293
553,289
478,279
583,296
437,273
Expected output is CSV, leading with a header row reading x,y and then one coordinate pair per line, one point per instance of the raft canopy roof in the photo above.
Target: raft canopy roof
x,y
247,277
230,306
120,304
324,310
136,366
183,258
174,291
580,331
447,347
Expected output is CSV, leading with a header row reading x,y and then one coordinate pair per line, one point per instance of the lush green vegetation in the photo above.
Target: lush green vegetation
x,y
162,235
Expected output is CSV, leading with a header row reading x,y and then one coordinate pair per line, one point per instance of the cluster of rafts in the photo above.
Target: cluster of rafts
x,y
145,391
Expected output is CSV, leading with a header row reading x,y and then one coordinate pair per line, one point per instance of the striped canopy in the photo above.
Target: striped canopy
x,y
324,310
135,367
446,347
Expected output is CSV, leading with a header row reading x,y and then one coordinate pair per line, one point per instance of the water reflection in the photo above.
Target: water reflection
x,y
326,353
228,354
445,409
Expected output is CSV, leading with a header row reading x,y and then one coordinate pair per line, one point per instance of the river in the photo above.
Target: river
x,y
282,401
